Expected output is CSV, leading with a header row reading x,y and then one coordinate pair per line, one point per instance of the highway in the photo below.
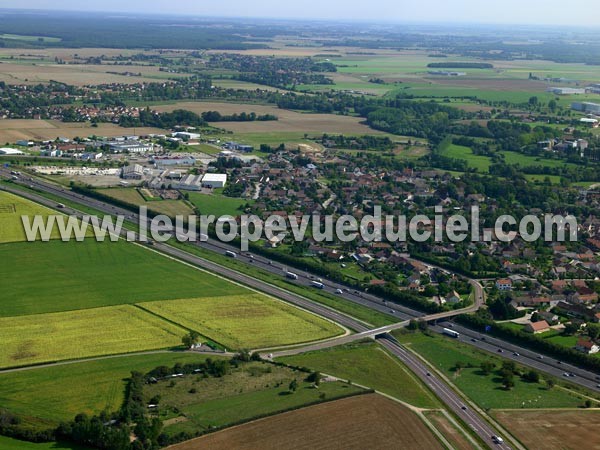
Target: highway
x,y
547,364
447,395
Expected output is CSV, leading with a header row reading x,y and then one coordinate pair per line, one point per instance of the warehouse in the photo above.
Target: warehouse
x,y
132,172
214,180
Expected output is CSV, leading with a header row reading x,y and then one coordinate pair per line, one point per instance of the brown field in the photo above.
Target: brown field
x,y
356,423
12,130
553,429
289,121
449,431
76,74
168,207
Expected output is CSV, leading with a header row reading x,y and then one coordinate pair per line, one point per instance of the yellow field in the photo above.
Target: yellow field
x,y
11,210
78,74
79,334
289,121
12,130
250,321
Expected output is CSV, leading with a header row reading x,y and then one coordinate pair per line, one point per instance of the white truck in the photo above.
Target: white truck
x,y
451,333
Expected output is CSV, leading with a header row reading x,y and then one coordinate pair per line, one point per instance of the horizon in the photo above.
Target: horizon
x,y
387,14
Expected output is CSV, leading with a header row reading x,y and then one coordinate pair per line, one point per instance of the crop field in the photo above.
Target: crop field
x,y
168,207
12,207
60,276
7,443
485,390
58,393
368,365
79,334
12,130
245,321
540,430
219,205
289,121
22,72
355,423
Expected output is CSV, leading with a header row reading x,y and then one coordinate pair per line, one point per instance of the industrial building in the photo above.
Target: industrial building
x,y
186,135
162,161
132,172
586,107
130,146
214,180
565,90
188,183
10,151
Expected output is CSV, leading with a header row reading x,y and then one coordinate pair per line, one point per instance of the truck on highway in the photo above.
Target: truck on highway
x,y
317,284
291,275
231,254
451,333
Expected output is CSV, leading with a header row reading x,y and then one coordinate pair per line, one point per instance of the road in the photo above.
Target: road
x,y
524,356
547,365
447,395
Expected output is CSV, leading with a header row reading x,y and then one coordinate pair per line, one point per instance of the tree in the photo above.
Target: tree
x,y
487,367
508,381
190,339
550,383
293,386
532,376
314,377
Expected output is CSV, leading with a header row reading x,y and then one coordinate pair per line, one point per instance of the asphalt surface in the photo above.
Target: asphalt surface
x,y
447,395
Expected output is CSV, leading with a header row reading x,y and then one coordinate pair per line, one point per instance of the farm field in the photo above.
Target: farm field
x,y
540,430
89,274
486,391
289,121
78,74
7,443
368,365
219,205
365,421
58,393
245,321
12,207
12,130
197,403
131,195
80,334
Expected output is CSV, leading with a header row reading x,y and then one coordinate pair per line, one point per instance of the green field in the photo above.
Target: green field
x,y
60,276
217,204
22,37
58,393
250,390
368,365
79,334
13,444
12,208
486,391
245,321
479,162
132,196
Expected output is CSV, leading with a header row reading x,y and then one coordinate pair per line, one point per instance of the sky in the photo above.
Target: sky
x,y
534,12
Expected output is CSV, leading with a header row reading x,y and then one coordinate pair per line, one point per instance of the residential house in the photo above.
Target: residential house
x,y
537,327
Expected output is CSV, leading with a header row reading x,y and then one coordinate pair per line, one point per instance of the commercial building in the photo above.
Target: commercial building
x,y
132,172
130,146
586,107
565,90
162,161
214,180
186,135
10,151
